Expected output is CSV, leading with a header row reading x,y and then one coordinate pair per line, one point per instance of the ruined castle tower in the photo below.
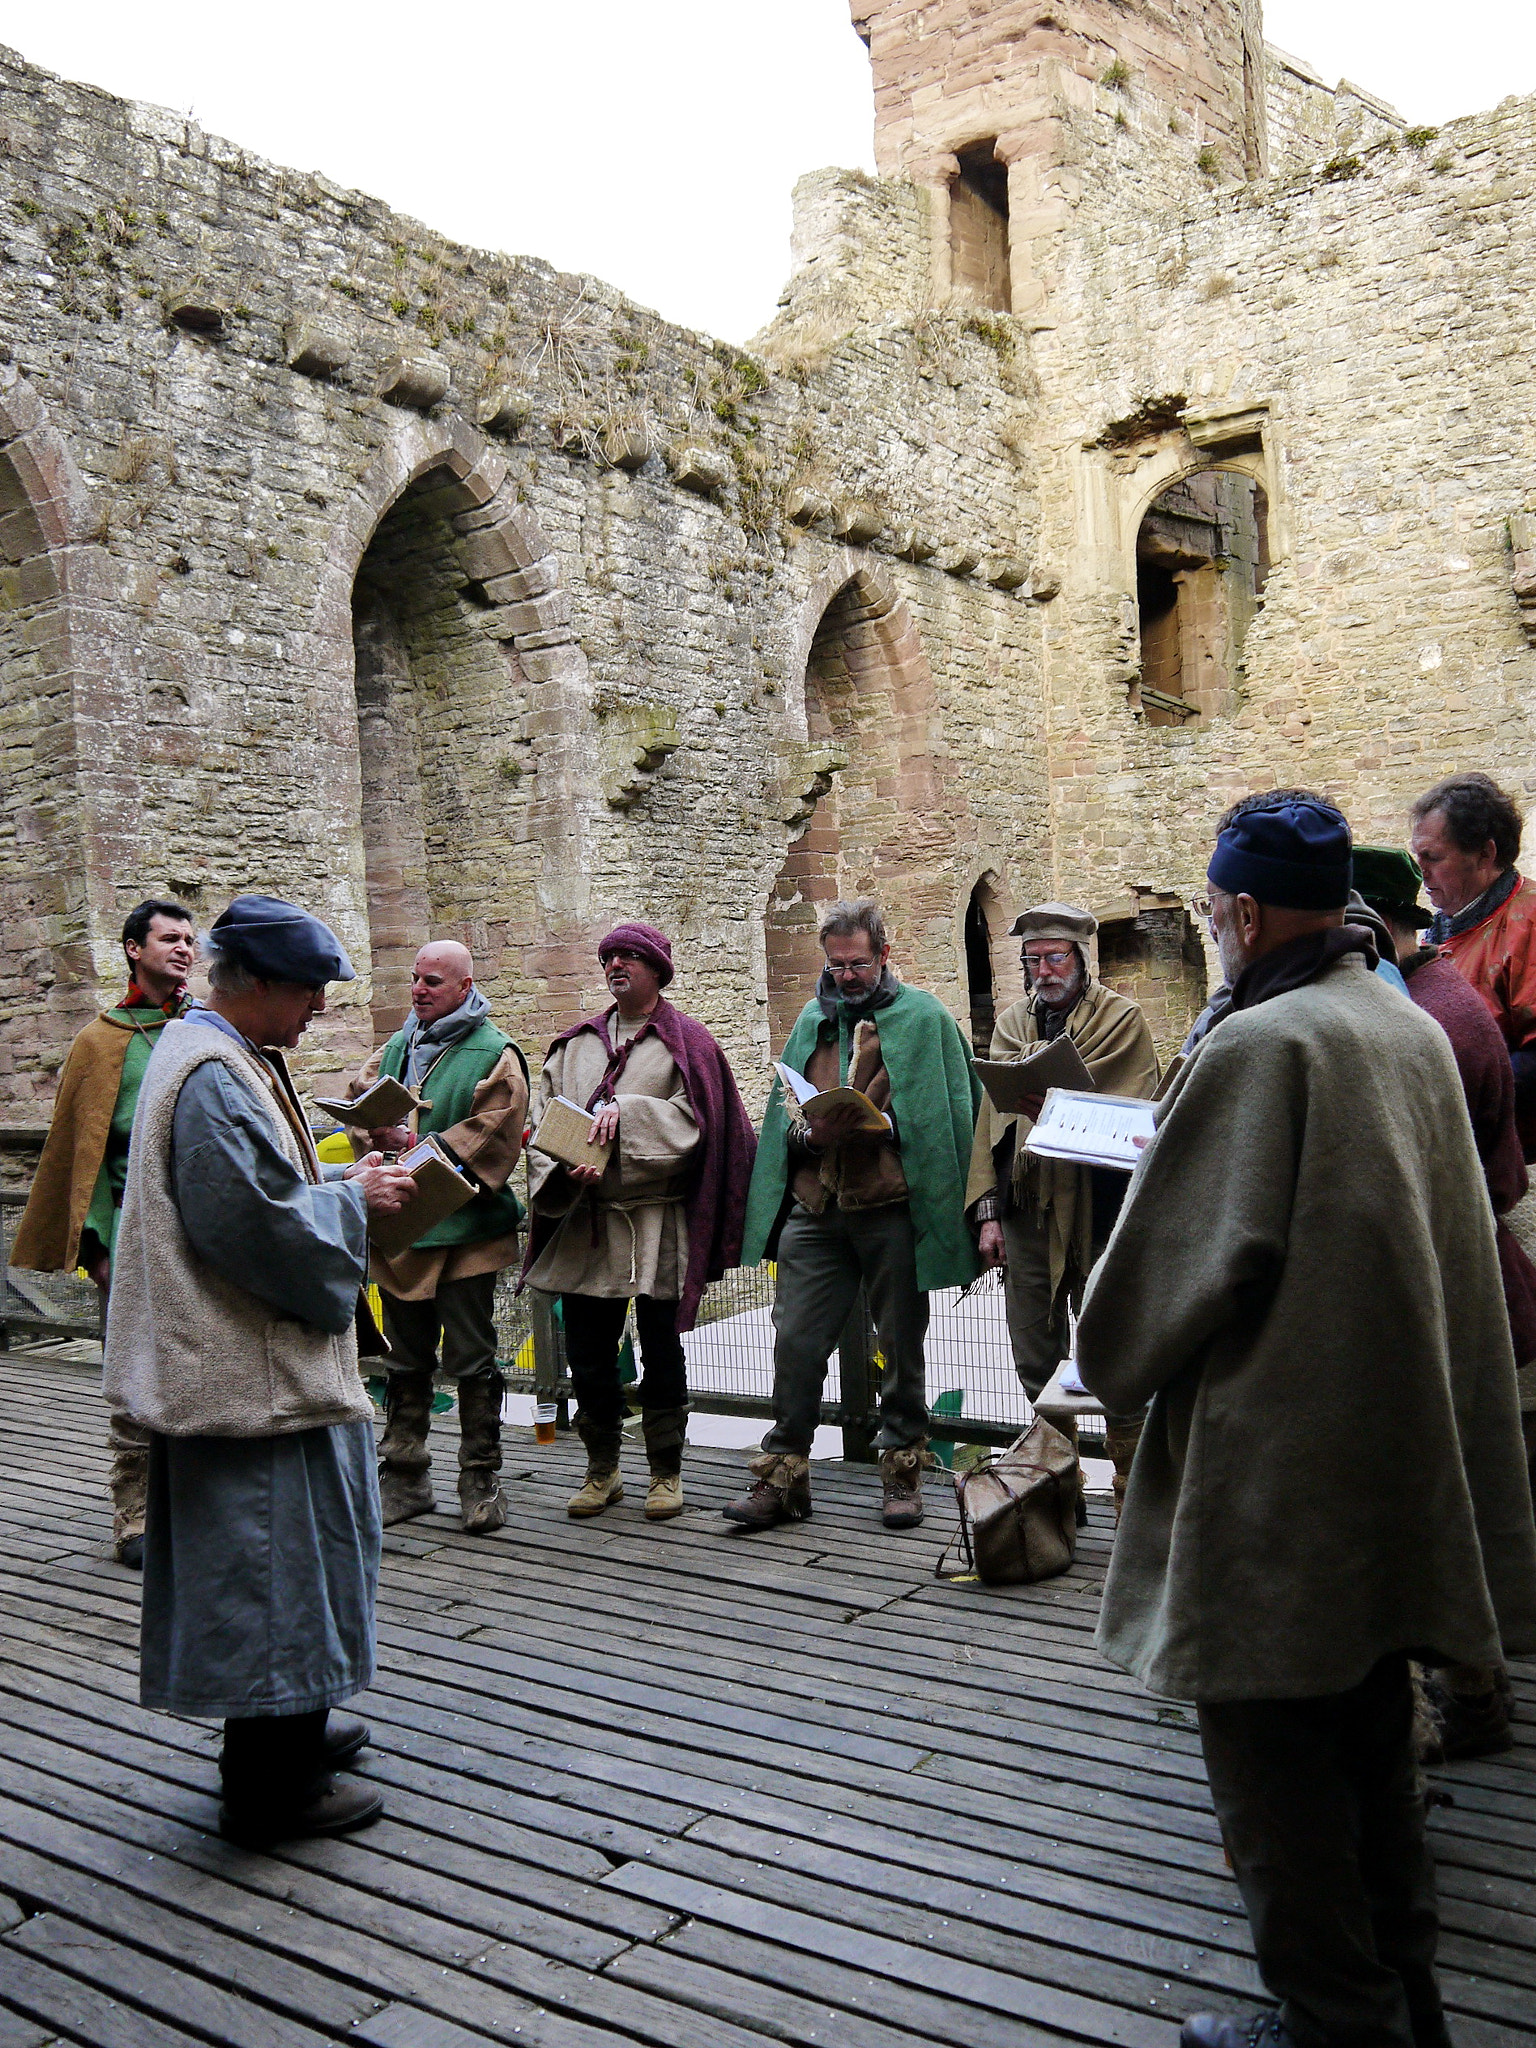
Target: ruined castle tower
x,y
986,107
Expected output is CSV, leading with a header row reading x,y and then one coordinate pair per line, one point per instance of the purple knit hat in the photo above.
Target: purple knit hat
x,y
643,939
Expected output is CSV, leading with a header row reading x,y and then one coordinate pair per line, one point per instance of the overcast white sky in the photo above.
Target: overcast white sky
x,y
652,142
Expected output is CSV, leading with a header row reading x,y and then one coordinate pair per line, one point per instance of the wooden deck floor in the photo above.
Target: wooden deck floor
x,y
651,1785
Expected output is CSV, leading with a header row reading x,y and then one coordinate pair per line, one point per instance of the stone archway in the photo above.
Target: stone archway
x,y
879,815
69,791
472,774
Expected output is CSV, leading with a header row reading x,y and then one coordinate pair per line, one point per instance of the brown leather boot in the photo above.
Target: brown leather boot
x,y
781,1492
405,1463
482,1506
665,1431
901,1484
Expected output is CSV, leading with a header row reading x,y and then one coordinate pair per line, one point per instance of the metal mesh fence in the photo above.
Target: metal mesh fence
x,y
42,1304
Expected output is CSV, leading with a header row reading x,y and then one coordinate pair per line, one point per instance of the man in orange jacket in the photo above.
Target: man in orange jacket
x,y
72,1212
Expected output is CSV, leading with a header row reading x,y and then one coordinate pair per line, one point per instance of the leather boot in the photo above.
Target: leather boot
x,y
482,1506
781,1492
1121,1436
666,1431
405,1485
602,1485
901,1484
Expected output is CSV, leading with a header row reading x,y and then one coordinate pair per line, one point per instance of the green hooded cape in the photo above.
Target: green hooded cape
x,y
934,1098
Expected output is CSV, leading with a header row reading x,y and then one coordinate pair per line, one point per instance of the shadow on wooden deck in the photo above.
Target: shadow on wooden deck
x,y
651,1784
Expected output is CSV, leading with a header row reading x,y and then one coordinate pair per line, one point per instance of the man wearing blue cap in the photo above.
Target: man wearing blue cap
x,y
231,1338
1303,1281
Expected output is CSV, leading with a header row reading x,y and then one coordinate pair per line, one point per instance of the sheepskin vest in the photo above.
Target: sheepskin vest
x,y
187,1352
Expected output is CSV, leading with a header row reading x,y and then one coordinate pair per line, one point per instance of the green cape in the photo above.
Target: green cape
x,y
934,1098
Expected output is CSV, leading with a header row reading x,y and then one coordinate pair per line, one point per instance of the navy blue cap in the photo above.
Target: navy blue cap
x,y
1295,857
277,941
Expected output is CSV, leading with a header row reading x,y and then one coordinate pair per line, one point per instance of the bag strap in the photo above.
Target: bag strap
x,y
962,1533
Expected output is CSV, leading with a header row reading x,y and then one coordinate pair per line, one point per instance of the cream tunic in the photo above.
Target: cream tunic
x,y
633,1238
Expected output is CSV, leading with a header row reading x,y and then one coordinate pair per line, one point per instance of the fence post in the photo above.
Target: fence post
x,y
856,1372
546,1354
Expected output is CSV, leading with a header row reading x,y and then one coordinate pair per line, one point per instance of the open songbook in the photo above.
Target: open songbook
x,y
378,1108
807,1097
563,1134
1092,1130
1055,1064
442,1186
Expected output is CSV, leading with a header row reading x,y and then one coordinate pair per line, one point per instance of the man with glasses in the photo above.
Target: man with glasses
x,y
840,1207
1044,1221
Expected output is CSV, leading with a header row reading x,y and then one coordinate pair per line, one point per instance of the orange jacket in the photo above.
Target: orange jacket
x,y
1498,957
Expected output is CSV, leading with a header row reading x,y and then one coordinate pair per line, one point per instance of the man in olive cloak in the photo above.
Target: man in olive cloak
x,y
1304,1282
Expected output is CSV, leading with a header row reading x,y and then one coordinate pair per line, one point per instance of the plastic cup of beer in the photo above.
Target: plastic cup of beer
x,y
544,1422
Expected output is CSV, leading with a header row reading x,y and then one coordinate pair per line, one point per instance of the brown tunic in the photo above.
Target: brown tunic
x,y
628,1235
487,1142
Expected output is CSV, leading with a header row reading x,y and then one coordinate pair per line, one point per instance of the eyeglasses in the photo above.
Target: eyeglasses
x,y
1204,909
857,967
1048,959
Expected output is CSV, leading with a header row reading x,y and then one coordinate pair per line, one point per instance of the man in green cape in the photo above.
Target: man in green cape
x,y
840,1206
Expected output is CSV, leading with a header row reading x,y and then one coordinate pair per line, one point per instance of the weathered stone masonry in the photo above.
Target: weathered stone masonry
x,y
448,593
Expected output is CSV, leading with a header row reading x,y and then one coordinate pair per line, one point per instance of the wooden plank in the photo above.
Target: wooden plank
x,y
82,2011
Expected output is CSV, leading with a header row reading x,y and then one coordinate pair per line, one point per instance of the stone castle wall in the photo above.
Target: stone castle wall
x,y
444,592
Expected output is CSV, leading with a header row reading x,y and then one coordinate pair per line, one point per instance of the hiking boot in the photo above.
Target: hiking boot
x,y
602,1485
901,1485
665,1431
780,1493
1121,1437
404,1494
482,1505
405,1485
664,1496
345,1735
1252,2030
328,1808
1465,1723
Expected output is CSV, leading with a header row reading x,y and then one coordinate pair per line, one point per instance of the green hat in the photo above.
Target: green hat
x,y
1390,879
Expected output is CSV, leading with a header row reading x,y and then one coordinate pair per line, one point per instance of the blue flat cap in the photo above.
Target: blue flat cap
x,y
1294,857
276,941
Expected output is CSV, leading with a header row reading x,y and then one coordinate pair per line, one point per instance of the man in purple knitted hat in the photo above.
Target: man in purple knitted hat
x,y
654,1224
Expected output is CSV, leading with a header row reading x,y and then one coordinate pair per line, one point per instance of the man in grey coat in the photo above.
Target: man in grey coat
x,y
231,1340
1304,1282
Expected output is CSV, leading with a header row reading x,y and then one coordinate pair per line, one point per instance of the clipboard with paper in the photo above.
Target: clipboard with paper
x,y
1091,1129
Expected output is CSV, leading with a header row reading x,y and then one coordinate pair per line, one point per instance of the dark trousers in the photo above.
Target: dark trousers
x,y
1323,1818
594,1330
823,1261
459,1318
272,1760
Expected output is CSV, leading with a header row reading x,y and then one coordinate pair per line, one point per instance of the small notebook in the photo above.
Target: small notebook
x,y
378,1108
817,1101
1092,1130
441,1188
1056,1064
563,1134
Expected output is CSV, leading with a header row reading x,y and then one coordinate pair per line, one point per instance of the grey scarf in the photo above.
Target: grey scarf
x,y
425,1043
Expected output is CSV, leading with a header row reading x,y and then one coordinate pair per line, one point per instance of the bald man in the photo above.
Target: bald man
x,y
439,1294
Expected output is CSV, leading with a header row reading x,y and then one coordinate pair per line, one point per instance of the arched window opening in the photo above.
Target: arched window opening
x,y
978,230
981,984
436,699
1202,560
1157,959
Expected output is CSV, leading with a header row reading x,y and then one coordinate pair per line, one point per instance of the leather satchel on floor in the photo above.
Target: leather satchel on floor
x,y
1019,1512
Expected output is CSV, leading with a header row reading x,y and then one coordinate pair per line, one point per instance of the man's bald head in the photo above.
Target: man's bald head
x,y
441,979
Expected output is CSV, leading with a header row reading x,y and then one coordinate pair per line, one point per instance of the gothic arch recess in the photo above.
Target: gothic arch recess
x,y
888,823
469,820
68,786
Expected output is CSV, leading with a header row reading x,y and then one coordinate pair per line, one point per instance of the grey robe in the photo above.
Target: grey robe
x,y
261,1554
